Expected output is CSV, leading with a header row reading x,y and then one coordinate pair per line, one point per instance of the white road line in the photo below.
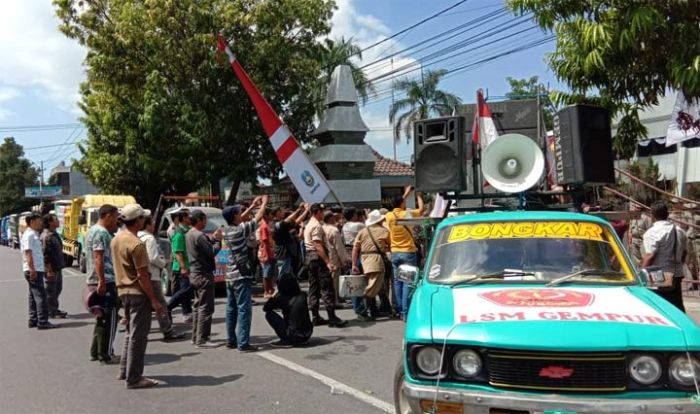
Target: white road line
x,y
66,273
335,385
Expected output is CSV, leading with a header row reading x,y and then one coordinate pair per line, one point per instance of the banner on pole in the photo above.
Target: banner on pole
x,y
306,177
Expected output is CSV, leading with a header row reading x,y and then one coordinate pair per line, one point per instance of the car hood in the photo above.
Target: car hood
x,y
556,318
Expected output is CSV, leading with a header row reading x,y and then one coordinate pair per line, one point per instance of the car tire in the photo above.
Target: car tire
x,y
400,400
68,260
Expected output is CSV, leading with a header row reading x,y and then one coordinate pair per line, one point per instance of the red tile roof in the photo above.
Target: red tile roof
x,y
385,166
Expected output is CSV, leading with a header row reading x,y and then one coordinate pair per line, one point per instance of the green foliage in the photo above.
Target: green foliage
x,y
16,172
632,49
164,113
423,99
529,89
629,52
647,172
340,52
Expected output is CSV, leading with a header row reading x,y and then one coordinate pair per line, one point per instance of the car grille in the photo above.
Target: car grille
x,y
585,372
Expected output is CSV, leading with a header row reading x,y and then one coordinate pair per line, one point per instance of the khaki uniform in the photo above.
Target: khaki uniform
x,y
636,232
320,279
372,262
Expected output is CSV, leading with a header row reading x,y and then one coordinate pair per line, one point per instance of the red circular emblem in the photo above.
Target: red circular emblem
x,y
539,298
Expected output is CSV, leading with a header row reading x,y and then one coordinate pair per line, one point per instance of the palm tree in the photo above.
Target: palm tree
x,y
341,52
423,99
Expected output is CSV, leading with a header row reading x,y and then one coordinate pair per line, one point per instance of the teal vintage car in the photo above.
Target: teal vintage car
x,y
541,312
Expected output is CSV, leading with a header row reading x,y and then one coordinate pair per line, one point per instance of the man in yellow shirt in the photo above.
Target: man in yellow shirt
x,y
403,246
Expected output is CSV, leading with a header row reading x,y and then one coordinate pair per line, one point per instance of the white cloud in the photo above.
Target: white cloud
x,y
36,55
6,94
365,30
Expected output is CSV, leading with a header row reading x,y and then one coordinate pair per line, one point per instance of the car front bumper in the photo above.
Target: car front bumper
x,y
478,402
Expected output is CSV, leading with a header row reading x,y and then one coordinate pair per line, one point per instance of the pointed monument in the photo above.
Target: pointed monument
x,y
343,157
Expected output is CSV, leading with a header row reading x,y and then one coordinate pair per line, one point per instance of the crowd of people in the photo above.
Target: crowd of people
x,y
125,266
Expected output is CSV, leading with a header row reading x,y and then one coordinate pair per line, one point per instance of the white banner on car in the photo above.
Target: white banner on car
x,y
479,305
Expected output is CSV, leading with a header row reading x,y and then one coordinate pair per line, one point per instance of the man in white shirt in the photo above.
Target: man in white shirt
x,y
665,246
34,273
157,263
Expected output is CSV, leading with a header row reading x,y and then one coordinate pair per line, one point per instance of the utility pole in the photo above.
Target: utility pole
x,y
392,105
41,184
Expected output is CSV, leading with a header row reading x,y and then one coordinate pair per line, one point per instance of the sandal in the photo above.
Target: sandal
x,y
143,382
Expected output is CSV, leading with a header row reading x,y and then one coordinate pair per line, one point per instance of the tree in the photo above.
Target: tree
x,y
165,113
630,52
341,52
529,89
16,172
423,99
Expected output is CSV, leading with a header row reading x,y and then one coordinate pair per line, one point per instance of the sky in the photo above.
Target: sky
x,y
42,69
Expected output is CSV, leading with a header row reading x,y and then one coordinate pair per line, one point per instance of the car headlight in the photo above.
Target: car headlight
x,y
645,369
467,363
683,371
428,360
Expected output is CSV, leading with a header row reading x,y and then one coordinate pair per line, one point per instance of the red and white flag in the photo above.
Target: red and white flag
x,y
483,130
308,180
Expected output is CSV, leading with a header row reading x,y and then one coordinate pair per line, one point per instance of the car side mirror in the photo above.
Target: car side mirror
x,y
653,276
408,274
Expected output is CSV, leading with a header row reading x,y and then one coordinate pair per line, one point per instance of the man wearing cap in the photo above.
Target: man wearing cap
x,y
157,263
131,268
100,277
202,259
240,273
320,268
371,245
183,292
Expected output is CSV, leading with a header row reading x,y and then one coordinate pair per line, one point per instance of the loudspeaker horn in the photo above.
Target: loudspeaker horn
x,y
512,163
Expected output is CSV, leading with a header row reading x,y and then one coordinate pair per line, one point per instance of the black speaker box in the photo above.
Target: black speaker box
x,y
440,157
583,146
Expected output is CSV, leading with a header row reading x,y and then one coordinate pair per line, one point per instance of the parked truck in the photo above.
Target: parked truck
x,y
77,219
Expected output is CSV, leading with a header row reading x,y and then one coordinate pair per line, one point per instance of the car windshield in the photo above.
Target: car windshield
x,y
214,221
527,252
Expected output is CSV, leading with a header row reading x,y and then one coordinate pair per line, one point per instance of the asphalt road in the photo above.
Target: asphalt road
x,y
340,371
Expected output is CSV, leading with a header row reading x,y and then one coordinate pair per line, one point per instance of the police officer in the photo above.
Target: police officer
x,y
320,268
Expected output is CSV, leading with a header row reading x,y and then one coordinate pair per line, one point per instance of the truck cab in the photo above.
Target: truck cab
x,y
82,213
532,312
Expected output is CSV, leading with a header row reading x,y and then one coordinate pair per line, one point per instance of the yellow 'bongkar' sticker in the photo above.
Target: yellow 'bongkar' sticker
x,y
526,229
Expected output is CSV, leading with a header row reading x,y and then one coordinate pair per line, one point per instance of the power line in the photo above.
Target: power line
x,y
53,145
413,26
44,127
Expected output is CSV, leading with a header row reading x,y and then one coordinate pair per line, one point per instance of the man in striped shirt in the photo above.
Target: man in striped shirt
x,y
240,272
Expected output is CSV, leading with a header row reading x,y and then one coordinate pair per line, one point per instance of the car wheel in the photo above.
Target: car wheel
x,y
400,399
68,260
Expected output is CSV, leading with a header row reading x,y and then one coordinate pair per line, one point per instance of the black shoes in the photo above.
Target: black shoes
x,y
174,336
59,315
247,348
319,321
337,323
47,325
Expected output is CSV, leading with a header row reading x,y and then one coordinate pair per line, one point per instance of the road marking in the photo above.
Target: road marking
x,y
66,273
335,385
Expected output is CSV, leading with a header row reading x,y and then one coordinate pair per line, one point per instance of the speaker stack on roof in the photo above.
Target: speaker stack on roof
x,y
515,163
